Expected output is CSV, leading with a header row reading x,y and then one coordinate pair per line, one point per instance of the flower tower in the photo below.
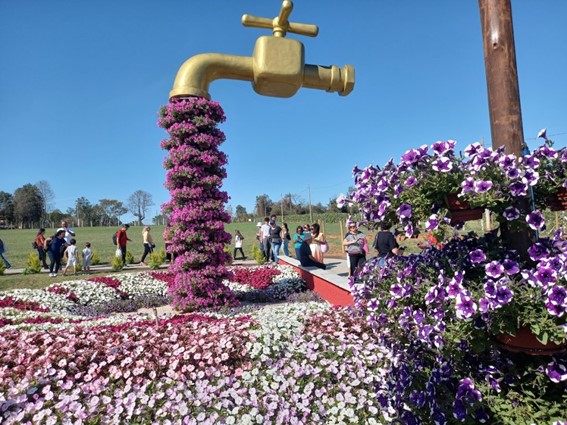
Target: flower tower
x,y
195,170
195,166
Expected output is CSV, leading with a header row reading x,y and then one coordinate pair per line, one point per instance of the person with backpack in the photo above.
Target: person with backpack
x,y
122,240
2,251
38,244
53,247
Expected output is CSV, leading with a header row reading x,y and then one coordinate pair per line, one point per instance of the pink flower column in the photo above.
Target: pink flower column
x,y
195,170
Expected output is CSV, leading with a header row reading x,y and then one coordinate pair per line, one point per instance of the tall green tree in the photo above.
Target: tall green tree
x,y
264,205
6,208
113,209
28,206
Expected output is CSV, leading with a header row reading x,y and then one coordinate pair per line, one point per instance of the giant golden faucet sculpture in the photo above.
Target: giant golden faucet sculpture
x,y
276,68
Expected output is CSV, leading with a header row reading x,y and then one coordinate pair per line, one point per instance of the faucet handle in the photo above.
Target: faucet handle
x,y
280,25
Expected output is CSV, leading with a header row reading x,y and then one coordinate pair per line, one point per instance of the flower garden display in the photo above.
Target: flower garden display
x,y
290,363
196,210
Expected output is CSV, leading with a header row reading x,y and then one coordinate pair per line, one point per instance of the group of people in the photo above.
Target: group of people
x,y
62,245
272,237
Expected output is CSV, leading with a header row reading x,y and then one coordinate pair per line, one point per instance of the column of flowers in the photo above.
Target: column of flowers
x,y
195,171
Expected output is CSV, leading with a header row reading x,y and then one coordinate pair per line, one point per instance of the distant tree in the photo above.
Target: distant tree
x,y
160,220
84,212
228,210
263,205
241,213
47,196
55,217
138,203
28,206
113,209
6,207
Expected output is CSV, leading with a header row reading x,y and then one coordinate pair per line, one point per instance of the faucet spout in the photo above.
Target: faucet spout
x,y
329,78
197,72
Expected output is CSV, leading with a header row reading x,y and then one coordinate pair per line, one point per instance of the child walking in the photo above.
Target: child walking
x,y
72,257
87,257
238,238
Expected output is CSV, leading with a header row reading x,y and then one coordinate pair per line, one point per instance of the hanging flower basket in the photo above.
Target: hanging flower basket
x,y
461,210
558,202
526,342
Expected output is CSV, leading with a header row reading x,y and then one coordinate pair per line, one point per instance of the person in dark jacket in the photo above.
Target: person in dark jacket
x,y
53,247
385,243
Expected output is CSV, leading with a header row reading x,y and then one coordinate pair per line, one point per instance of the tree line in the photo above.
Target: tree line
x,y
31,206
287,205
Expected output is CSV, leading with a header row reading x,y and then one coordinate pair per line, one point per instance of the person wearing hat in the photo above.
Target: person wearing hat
x,y
122,240
305,256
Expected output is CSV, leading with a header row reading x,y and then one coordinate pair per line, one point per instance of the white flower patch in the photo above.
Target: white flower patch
x,y
278,324
90,293
49,300
138,284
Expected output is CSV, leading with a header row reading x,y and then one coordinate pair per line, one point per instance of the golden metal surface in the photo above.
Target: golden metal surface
x,y
277,67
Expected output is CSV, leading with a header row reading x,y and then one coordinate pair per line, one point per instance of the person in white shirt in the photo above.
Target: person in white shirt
x,y
69,232
72,254
87,258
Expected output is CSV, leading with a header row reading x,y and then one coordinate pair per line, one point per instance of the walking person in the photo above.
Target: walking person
x,y
148,244
354,243
122,240
39,243
238,238
53,246
87,258
286,237
4,259
72,254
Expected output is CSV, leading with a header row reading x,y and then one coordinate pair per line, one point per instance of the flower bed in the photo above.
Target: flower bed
x,y
302,362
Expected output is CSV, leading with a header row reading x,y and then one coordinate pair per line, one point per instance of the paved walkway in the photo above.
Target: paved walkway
x,y
337,266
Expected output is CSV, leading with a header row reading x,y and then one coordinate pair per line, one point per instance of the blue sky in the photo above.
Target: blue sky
x,y
81,84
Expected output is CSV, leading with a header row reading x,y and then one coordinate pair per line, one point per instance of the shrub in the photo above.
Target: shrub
x,y
129,257
117,263
258,255
2,267
33,265
96,259
157,258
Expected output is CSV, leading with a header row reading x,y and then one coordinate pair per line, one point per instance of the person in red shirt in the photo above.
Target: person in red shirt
x,y
122,240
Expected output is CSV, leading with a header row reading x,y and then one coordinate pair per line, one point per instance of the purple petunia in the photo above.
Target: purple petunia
x,y
511,267
556,371
477,256
518,188
432,223
494,269
538,251
535,220
404,211
467,186
511,213
442,164
465,306
482,186
556,301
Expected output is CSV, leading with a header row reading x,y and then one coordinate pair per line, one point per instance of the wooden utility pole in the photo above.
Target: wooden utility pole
x,y
503,95
501,75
